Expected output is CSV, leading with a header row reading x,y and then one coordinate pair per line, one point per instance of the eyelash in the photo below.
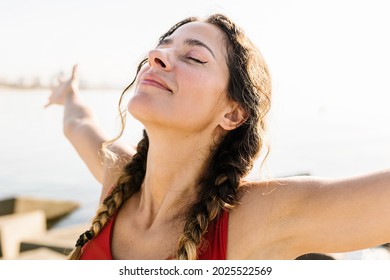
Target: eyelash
x,y
196,60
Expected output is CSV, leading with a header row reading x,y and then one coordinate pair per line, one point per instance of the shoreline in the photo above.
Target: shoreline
x,y
19,88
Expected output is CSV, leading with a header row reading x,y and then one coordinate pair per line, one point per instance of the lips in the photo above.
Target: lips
x,y
154,81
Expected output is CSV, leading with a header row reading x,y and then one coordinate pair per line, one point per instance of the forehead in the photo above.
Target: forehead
x,y
207,33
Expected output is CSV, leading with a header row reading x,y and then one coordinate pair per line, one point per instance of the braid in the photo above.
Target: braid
x,y
249,86
218,188
128,183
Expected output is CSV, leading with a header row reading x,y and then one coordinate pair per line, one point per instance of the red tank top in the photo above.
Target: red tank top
x,y
214,245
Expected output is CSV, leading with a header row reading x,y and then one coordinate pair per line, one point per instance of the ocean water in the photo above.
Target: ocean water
x,y
307,134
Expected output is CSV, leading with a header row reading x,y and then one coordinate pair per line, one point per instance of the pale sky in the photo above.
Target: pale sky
x,y
329,60
322,45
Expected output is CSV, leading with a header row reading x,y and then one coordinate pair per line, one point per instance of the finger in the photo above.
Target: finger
x,y
47,105
75,72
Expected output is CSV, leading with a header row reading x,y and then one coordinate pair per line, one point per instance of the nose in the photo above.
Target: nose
x,y
159,58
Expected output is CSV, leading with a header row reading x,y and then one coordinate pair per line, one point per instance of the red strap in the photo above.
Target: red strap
x,y
215,245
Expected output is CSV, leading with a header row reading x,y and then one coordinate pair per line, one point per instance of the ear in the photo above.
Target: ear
x,y
234,118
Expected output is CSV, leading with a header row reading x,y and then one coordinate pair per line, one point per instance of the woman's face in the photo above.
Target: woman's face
x,y
184,84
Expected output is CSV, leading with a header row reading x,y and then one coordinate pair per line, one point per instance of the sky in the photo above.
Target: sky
x,y
106,38
321,50
329,62
303,41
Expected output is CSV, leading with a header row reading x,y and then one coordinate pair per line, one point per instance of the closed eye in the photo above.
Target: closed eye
x,y
196,60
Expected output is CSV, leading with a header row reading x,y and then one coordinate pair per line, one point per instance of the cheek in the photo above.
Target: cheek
x,y
200,107
203,89
194,84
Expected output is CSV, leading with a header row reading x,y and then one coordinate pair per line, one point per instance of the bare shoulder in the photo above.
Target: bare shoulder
x,y
263,217
113,163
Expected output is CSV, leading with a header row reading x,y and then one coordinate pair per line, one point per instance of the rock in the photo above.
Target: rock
x,y
54,209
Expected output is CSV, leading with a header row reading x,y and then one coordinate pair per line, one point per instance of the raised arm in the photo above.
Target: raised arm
x,y
82,129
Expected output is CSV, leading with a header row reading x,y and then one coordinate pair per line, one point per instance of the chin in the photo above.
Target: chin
x,y
137,108
146,110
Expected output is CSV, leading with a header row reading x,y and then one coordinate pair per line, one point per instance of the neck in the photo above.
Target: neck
x,y
174,166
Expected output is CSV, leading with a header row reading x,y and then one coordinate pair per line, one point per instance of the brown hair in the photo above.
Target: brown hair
x,y
250,86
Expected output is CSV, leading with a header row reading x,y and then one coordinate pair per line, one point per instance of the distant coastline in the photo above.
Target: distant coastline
x,y
18,87
45,87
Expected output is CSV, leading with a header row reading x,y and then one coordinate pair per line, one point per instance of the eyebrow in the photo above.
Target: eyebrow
x,y
189,42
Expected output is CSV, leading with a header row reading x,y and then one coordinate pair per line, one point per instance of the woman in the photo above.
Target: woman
x,y
202,96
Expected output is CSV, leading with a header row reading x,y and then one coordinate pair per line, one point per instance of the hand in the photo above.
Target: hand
x,y
65,87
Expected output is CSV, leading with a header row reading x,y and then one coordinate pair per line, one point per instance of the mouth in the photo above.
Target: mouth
x,y
154,81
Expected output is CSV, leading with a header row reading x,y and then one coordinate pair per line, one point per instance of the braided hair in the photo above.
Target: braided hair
x,y
230,160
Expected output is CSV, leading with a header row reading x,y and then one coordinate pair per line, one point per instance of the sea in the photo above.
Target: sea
x,y
307,135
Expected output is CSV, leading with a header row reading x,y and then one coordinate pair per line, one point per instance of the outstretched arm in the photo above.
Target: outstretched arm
x,y
345,214
293,216
82,129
